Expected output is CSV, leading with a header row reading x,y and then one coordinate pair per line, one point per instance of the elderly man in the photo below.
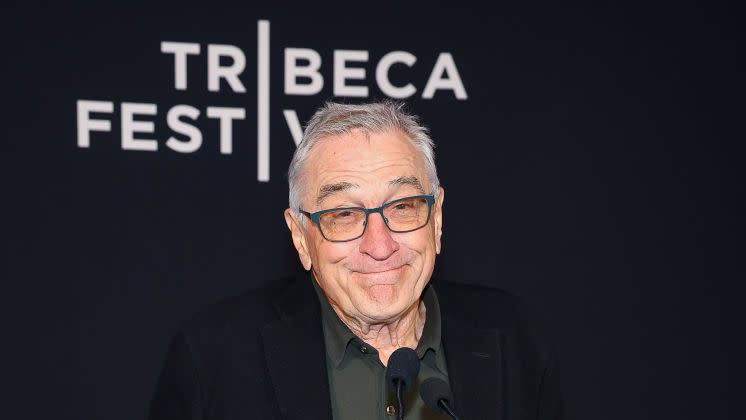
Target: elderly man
x,y
366,217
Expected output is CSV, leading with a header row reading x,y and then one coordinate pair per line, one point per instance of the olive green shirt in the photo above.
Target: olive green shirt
x,y
357,378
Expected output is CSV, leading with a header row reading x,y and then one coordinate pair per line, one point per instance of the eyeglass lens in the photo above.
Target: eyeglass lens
x,y
400,216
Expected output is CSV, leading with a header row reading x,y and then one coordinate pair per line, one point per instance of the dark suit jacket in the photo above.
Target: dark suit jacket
x,y
261,356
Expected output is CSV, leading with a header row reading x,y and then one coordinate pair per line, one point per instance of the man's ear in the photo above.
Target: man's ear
x,y
438,218
299,238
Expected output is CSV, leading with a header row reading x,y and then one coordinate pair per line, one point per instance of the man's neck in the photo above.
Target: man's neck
x,y
386,337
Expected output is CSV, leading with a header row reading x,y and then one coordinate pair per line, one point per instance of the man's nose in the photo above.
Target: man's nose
x,y
377,240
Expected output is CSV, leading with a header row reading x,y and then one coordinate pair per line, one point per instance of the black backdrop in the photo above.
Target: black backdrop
x,y
594,167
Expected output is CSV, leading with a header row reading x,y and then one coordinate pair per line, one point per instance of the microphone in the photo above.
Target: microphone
x,y
401,372
436,394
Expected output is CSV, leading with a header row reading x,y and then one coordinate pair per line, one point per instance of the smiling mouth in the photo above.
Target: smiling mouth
x,y
389,276
388,270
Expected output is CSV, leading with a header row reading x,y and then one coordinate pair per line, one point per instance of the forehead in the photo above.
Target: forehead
x,y
366,159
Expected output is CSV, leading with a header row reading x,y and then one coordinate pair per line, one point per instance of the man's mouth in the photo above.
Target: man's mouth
x,y
380,271
380,276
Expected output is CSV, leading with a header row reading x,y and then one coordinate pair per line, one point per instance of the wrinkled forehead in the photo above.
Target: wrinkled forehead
x,y
368,161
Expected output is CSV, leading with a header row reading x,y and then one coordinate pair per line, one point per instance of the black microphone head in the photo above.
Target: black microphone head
x,y
403,366
433,390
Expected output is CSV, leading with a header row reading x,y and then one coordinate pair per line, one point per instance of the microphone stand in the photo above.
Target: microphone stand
x,y
399,400
447,408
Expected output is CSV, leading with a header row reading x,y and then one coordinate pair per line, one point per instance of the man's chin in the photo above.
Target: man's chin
x,y
383,294
383,302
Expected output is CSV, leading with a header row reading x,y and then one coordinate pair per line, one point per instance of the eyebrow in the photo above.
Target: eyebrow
x,y
327,190
330,189
408,180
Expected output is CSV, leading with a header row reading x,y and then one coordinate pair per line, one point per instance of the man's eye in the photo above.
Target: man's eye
x,y
404,206
343,214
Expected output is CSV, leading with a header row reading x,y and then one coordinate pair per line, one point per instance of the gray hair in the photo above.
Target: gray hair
x,y
335,119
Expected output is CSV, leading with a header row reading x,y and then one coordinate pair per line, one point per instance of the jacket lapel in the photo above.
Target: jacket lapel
x,y
295,354
474,361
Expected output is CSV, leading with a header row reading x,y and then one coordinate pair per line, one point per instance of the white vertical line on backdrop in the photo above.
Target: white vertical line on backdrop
x,y
262,109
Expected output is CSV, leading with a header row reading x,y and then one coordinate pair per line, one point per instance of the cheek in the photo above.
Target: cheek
x,y
421,242
330,255
424,245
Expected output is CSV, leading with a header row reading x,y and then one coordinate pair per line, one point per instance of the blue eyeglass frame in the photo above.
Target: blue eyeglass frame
x,y
430,198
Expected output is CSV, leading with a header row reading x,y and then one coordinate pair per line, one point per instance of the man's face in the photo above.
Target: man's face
x,y
377,277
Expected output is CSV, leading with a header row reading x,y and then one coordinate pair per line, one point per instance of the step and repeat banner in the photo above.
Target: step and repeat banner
x,y
225,64
585,154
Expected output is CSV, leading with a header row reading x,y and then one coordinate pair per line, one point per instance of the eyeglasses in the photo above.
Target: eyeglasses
x,y
348,223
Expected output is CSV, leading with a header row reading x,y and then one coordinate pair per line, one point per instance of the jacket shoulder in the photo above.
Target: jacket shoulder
x,y
493,308
484,306
211,354
245,312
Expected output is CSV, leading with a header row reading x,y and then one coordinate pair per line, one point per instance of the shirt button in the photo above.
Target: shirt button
x,y
391,410
363,349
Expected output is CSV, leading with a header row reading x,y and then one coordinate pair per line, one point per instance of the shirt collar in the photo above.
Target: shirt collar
x,y
336,334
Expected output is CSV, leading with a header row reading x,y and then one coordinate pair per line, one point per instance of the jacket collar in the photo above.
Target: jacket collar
x,y
294,350
475,360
